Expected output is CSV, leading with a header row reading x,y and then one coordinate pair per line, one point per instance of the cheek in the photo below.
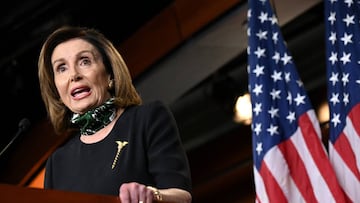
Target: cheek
x,y
102,81
101,86
60,87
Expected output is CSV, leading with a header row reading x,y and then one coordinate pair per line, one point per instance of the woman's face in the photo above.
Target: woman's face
x,y
80,76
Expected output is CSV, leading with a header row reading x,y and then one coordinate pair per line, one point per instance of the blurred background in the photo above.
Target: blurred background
x,y
189,54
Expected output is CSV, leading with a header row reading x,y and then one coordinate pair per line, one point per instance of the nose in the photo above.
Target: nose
x,y
75,77
74,74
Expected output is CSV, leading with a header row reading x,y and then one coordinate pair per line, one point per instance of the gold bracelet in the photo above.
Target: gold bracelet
x,y
156,193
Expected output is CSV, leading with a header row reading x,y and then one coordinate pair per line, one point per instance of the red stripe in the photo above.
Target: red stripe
x,y
354,117
274,192
257,199
342,146
297,170
321,160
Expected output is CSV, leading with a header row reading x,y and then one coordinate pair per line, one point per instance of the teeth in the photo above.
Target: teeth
x,y
75,92
79,90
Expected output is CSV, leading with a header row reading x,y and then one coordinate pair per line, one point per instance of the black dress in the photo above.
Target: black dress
x,y
151,154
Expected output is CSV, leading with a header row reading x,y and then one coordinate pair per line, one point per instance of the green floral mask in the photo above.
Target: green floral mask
x,y
95,119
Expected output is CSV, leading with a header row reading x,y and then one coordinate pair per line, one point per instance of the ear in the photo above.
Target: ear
x,y
111,84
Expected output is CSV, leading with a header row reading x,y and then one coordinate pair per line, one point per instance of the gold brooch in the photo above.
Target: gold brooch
x,y
120,146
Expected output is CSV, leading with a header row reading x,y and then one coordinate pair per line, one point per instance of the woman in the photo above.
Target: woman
x,y
119,145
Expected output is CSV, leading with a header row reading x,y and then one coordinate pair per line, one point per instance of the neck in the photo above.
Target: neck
x,y
103,133
95,119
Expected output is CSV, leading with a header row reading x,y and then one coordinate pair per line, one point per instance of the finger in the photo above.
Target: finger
x,y
142,193
149,196
124,195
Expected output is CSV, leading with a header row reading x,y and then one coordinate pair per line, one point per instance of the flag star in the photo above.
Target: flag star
x,y
332,17
263,1
273,129
258,89
275,94
276,57
259,70
346,98
300,83
332,38
273,20
291,116
299,99
347,38
257,108
336,119
286,59
283,95
257,128
262,35
249,13
275,37
273,112
248,50
333,58
263,17
334,78
334,98
287,77
348,2
289,97
259,148
260,52
345,58
349,20
345,78
276,76
248,31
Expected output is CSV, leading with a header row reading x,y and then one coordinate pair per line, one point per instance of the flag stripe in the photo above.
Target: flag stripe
x,y
342,30
355,118
297,172
321,171
290,161
260,189
355,136
346,153
273,190
347,180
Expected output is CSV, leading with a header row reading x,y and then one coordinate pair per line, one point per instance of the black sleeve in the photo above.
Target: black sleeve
x,y
167,158
48,174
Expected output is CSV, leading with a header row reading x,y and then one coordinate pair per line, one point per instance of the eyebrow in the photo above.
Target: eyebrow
x,y
91,51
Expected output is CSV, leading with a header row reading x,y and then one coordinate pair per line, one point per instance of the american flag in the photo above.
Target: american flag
x,y
290,161
342,28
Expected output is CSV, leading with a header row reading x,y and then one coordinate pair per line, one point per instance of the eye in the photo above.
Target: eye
x,y
85,61
61,68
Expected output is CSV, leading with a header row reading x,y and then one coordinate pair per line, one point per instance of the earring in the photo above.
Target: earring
x,y
111,84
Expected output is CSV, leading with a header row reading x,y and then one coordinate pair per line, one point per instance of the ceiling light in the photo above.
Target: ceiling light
x,y
243,112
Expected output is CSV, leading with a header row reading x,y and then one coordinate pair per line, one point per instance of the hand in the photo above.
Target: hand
x,y
135,193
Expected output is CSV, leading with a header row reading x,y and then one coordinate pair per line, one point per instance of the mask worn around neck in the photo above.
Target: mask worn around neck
x,y
95,119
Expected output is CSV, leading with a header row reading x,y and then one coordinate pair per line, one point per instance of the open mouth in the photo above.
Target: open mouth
x,y
78,91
